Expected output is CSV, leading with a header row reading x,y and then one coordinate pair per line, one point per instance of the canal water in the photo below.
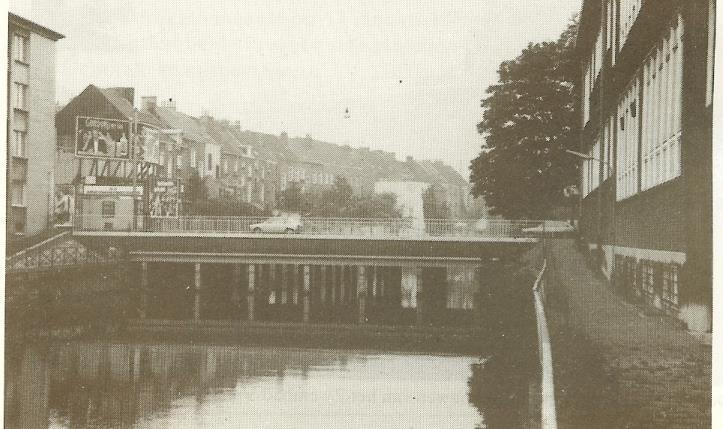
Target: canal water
x,y
83,384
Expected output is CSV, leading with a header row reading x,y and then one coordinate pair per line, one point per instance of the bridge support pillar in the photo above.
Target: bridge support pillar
x,y
251,292
197,291
342,284
307,293
322,284
144,289
420,296
361,293
236,285
284,284
332,289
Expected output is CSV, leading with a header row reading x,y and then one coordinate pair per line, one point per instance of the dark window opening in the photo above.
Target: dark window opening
x,y
108,209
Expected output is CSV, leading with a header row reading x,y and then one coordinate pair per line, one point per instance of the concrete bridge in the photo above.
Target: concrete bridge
x,y
329,270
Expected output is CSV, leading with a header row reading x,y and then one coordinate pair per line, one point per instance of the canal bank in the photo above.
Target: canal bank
x,y
615,365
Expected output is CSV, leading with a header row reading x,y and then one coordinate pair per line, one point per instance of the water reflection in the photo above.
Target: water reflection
x,y
104,384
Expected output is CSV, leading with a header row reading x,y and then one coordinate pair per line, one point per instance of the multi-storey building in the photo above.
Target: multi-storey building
x,y
31,127
646,111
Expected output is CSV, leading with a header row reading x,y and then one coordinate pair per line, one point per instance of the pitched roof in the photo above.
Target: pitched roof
x,y
192,127
220,133
125,107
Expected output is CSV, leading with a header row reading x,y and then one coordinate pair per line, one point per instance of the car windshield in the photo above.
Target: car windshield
x,y
275,220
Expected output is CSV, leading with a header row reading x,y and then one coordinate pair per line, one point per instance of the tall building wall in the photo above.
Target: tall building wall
x,y
31,128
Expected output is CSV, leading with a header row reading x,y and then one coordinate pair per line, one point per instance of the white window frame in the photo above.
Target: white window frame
x,y
21,47
21,96
629,11
662,124
17,189
627,141
20,141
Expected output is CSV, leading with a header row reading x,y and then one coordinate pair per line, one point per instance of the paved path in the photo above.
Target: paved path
x,y
615,366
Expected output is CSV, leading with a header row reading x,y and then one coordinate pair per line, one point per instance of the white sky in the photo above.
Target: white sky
x,y
296,66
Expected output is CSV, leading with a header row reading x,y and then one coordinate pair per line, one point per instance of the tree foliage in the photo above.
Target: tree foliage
x,y
529,121
337,201
434,204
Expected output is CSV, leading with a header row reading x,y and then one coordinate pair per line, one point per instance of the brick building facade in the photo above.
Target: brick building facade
x,y
646,111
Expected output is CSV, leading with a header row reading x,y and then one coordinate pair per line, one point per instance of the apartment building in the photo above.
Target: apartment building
x,y
31,127
646,90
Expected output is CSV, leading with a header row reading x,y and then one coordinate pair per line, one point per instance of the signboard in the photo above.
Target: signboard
x,y
102,138
148,144
165,199
111,189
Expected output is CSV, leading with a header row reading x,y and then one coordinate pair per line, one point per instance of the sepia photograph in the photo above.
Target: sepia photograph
x,y
481,214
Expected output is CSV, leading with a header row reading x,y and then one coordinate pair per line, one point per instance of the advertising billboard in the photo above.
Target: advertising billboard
x,y
102,138
148,144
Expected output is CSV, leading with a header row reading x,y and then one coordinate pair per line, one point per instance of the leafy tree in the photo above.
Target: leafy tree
x,y
196,190
528,123
434,204
291,199
374,206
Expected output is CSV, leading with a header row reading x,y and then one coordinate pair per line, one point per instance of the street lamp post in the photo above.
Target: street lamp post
x,y
611,172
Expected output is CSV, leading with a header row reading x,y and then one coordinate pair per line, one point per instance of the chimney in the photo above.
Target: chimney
x,y
127,93
410,158
284,138
237,125
170,104
149,103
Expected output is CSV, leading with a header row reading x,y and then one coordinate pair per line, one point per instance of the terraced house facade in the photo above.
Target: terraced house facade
x,y
646,86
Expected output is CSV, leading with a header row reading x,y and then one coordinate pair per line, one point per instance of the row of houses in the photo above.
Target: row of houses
x,y
109,151
646,110
235,165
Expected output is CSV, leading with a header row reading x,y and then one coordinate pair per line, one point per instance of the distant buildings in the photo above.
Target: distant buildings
x,y
646,109
235,166
31,133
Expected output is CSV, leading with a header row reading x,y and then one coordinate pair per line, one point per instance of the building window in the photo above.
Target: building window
x,y
591,170
210,162
21,95
108,208
17,194
179,161
671,274
235,166
611,33
19,143
661,121
647,280
193,158
627,143
629,10
20,48
607,148
225,166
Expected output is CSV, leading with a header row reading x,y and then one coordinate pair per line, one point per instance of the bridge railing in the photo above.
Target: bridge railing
x,y
48,256
328,226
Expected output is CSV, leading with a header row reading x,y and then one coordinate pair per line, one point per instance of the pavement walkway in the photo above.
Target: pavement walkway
x,y
615,366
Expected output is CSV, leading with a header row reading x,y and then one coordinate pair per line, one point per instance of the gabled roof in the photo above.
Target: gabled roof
x,y
444,172
192,127
125,107
221,134
268,147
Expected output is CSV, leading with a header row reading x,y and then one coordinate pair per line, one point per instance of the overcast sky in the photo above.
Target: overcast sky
x,y
411,73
